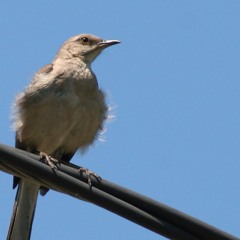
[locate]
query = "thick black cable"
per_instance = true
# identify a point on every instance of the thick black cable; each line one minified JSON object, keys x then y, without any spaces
{"x":124,"y":202}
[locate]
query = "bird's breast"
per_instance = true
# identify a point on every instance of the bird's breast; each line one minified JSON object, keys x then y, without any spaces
{"x":68,"y":116}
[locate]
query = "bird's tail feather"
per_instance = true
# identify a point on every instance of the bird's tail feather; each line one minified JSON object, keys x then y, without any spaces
{"x":23,"y":211}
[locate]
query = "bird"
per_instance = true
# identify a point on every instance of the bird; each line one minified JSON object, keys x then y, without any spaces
{"x":61,"y":111}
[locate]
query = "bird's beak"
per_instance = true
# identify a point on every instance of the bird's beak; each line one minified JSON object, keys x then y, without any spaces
{"x":107,"y":43}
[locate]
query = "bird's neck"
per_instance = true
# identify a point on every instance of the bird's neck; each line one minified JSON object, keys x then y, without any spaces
{"x":75,"y":66}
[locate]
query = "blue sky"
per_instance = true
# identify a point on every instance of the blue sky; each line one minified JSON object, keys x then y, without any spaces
{"x":174,"y":82}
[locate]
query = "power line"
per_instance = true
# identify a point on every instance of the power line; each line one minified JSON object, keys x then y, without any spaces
{"x":135,"y":207}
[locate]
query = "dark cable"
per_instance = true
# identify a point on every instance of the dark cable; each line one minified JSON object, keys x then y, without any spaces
{"x":137,"y":208}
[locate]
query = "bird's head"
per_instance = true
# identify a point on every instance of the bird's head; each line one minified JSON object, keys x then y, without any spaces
{"x":84,"y":46}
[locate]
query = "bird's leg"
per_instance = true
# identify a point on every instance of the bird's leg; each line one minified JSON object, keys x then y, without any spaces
{"x":52,"y":162}
{"x":89,"y":174}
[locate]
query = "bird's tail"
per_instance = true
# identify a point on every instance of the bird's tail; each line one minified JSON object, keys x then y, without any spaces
{"x":23,"y":211}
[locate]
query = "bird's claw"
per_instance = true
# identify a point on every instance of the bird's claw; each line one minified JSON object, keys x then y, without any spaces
{"x":52,"y":162}
{"x":89,"y":174}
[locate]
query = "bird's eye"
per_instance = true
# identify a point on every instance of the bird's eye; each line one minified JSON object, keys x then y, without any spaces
{"x":84,"y":40}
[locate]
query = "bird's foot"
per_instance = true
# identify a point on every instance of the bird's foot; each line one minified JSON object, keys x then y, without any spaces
{"x":89,"y":174}
{"x":52,"y":162}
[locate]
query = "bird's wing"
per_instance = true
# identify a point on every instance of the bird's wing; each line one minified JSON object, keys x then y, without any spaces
{"x":46,"y":69}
